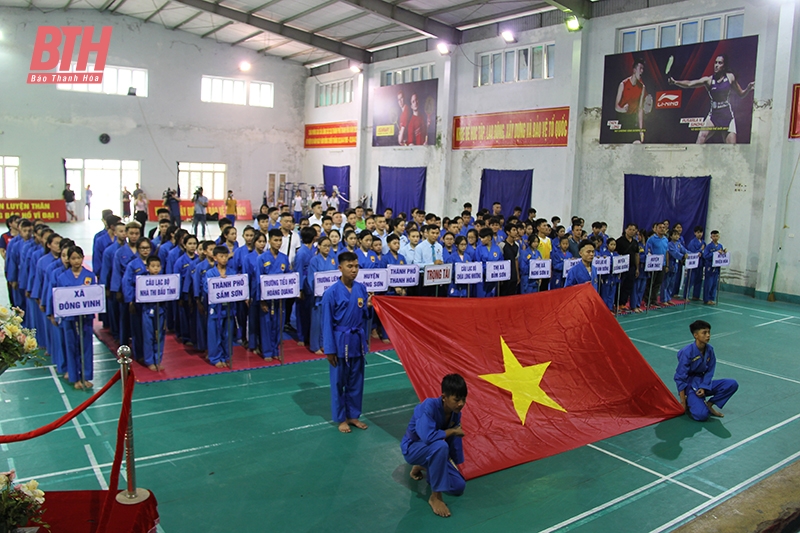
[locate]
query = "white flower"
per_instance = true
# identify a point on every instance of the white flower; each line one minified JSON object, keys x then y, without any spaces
{"x":5,"y":313}
{"x":31,"y":489}
{"x":17,"y":320}
{"x":30,"y":344}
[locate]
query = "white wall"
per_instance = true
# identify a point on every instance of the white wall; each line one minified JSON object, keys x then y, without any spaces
{"x":42,"y":125}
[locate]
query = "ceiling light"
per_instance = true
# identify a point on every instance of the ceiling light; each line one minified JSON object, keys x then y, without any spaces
{"x":355,"y":69}
{"x":508,"y":37}
{"x":244,"y":66}
{"x":573,"y":23}
{"x":443,"y":48}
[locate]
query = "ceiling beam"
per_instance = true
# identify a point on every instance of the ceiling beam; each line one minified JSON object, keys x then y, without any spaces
{"x":368,"y":32}
{"x":581,"y":8}
{"x":411,"y":20}
{"x":215,"y":30}
{"x":247,"y":38}
{"x":321,"y":60}
{"x":105,"y":5}
{"x":157,"y":11}
{"x":360,"y":14}
{"x":119,"y":5}
{"x":308,"y":11}
{"x":187,"y":21}
{"x":310,"y":52}
{"x":295,"y":34}
{"x":263,"y":6}
{"x":456,"y":7}
{"x":275,"y":45}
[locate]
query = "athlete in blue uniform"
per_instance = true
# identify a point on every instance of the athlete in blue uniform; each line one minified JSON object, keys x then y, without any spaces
{"x":153,"y":325}
{"x":324,"y":261}
{"x":220,"y":316}
{"x":344,"y":338}
{"x":711,"y":283}
{"x":77,"y":276}
{"x":699,"y":391}
{"x":272,"y":318}
{"x":585,"y":270}
{"x":433,"y":442}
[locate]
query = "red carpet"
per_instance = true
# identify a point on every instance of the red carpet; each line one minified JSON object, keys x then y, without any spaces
{"x":78,"y":512}
{"x":184,"y":362}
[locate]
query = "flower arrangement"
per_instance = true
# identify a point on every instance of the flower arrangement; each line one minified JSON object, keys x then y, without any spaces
{"x":17,"y":344}
{"x":20,"y":503}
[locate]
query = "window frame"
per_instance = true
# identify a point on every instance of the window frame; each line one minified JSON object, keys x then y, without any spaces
{"x":142,"y":91}
{"x":4,"y":167}
{"x":678,"y":24}
{"x":336,"y":92}
{"x":192,"y":174}
{"x":397,"y":76}
{"x":544,"y":57}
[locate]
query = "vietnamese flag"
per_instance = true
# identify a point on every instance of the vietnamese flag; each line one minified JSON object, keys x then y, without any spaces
{"x":545,"y":372}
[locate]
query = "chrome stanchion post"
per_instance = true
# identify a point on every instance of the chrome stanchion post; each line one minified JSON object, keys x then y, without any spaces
{"x":131,"y":495}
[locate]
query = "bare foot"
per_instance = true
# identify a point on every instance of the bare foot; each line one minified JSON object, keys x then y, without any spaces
{"x":221,"y":365}
{"x":320,"y":352}
{"x":276,"y":358}
{"x":713,"y":411}
{"x":386,"y":341}
{"x":438,"y":505}
{"x":66,"y":376}
{"x":154,"y":368}
{"x":357,"y":423}
{"x":78,"y":385}
{"x":301,"y":343}
{"x":344,"y":427}
{"x":637,"y":310}
{"x":374,"y":334}
{"x":416,"y":473}
{"x":711,"y":303}
{"x":88,"y":385}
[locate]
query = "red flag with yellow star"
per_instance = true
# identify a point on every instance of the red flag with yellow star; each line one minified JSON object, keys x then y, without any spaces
{"x":545,"y":372}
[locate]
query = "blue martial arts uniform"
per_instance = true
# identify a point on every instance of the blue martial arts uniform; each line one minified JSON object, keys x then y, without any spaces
{"x":696,"y":276}
{"x":183,"y":267}
{"x":200,"y":318}
{"x":240,"y":263}
{"x":711,"y":283}
{"x":43,"y":266}
{"x":578,"y":274}
{"x":457,"y":290}
{"x":696,"y":371}
{"x":344,"y":334}
{"x":57,"y":346}
{"x":640,"y":283}
{"x":271,"y":320}
{"x":527,"y":285}
{"x":319,"y":263}
{"x":557,"y":258}
{"x":425,"y":445}
{"x":70,"y":327}
{"x":122,"y":257}
{"x":672,"y":282}
{"x":304,"y":305}
{"x":112,"y":306}
{"x":13,"y":257}
{"x":253,"y":310}
{"x":134,"y":269}
{"x":608,"y":290}
{"x":154,"y":330}
{"x":220,"y":321}
{"x":367,"y":259}
{"x":486,"y":289}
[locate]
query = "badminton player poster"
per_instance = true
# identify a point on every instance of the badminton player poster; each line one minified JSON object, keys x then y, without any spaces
{"x":405,"y":114}
{"x":698,"y":93}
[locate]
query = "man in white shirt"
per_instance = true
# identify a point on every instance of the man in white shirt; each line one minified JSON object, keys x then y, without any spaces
{"x":291,"y":239}
{"x":316,"y":214}
{"x":381,"y":232}
{"x":338,"y":222}
{"x":333,"y":201}
{"x":324,"y":200}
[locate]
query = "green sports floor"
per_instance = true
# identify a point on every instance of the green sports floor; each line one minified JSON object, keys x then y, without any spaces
{"x":255,"y":450}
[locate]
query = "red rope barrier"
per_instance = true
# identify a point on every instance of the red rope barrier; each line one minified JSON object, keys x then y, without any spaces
{"x":122,"y":429}
{"x":63,"y":420}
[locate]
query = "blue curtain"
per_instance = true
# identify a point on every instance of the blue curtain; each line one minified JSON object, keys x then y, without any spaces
{"x":401,"y":188}
{"x":650,"y":199}
{"x":512,"y":188}
{"x":339,"y":176}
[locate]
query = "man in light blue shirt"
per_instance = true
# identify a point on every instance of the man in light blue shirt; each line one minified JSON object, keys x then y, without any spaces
{"x":200,"y":210}
{"x":657,"y":244}
{"x":381,"y":233}
{"x":428,"y":252}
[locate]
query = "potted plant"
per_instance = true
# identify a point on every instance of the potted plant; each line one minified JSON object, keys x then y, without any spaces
{"x":20,"y":505}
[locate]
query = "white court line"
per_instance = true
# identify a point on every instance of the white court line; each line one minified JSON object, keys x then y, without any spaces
{"x":27,"y":368}
{"x":773,"y":322}
{"x":11,"y":465}
{"x":649,"y":471}
{"x":4,"y":446}
{"x":328,"y":423}
{"x":683,"y":470}
{"x":60,"y":388}
{"x":681,"y":319}
{"x":725,"y":494}
{"x":24,"y":380}
{"x":735,"y":365}
{"x":96,"y":467}
{"x":758,"y":310}
{"x":388,"y":358}
{"x":91,"y":423}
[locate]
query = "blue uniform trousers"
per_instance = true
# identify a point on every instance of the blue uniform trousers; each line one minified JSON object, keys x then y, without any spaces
{"x":57,"y":350}
{"x":201,"y":321}
{"x":608,"y":292}
{"x":153,"y":322}
{"x":347,"y":388}
{"x":315,"y":339}
{"x":112,"y":310}
{"x":721,"y":391}
{"x":303,"y":310}
{"x":220,"y":330}
{"x":696,"y":282}
{"x":637,"y":294}
{"x":435,"y":458}
{"x":271,"y":328}
{"x":666,"y":287}
{"x":137,"y":338}
{"x":253,"y":326}
{"x":72,"y":343}
{"x":710,"y":284}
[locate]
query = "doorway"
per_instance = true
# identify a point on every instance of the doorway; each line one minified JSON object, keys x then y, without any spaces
{"x":106,"y":178}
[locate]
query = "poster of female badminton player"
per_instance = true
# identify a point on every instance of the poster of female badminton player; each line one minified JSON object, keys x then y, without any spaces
{"x":697,"y":93}
{"x":405,"y":114}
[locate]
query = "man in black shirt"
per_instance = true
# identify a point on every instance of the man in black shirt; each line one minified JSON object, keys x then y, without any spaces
{"x":69,"y":199}
{"x":511,"y":252}
{"x":628,"y":245}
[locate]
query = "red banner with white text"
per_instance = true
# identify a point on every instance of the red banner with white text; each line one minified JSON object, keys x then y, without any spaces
{"x":331,"y":135}
{"x":514,"y":129}
{"x":45,"y":210}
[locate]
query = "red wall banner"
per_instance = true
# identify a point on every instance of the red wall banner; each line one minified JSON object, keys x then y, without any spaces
{"x":243,"y":209}
{"x":794,"y":128}
{"x":331,"y":135}
{"x":514,"y":129}
{"x":46,"y":210}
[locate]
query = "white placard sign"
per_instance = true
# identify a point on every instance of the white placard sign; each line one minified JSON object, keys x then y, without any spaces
{"x":233,"y":288}
{"x":280,"y":286}
{"x":468,"y":273}
{"x":602,"y":265}
{"x":374,"y":279}
{"x":161,"y":288}
{"x":438,"y":274}
{"x":498,"y":270}
{"x":540,"y":269}
{"x":323,"y":280}
{"x":621,"y":263}
{"x":569,"y":263}
{"x":721,"y":259}
{"x":692,"y":261}
{"x":403,"y":275}
{"x":654,"y":263}
{"x":80,"y":300}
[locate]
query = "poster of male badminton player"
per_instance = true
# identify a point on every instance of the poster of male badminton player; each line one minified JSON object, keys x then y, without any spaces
{"x":405,"y":114}
{"x":697,"y":93}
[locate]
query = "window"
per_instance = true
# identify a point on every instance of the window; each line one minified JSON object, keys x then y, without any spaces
{"x":528,"y":63}
{"x":223,"y":90}
{"x":261,"y":94}
{"x":689,"y":31}
{"x":406,"y":75}
{"x":116,"y":80}
{"x":335,"y":93}
{"x":9,"y":177}
{"x":212,"y":177}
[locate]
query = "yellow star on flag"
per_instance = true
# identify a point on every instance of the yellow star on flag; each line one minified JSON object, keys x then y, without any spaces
{"x":522,"y":382}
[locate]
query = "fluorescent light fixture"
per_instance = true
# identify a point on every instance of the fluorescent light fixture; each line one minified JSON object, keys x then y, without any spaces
{"x":508,"y":37}
{"x":573,"y":23}
{"x":355,"y":68}
{"x":244,"y":66}
{"x":443,"y":48}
